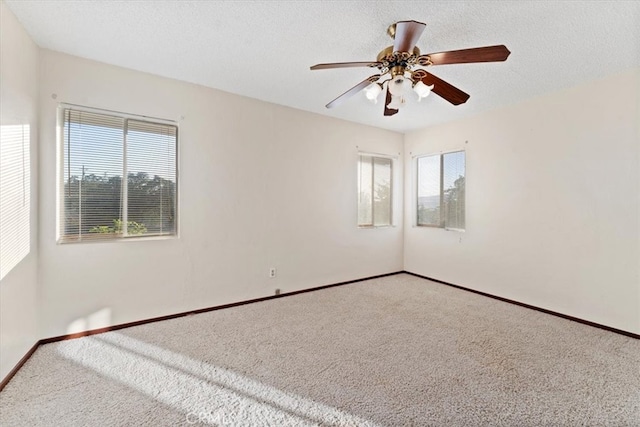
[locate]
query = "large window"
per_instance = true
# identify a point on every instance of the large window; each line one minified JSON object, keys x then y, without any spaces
{"x":441,"y":190}
{"x":15,"y":194}
{"x":99,"y":149}
{"x":374,"y":191}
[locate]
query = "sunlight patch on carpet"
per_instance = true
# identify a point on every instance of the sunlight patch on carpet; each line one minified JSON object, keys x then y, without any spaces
{"x":205,"y":393}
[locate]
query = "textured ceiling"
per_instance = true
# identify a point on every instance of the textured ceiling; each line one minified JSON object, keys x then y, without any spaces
{"x":263,"y":49}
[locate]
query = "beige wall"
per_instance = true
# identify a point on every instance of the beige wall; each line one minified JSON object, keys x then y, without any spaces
{"x":18,"y":107}
{"x":553,"y":193}
{"x":260,"y":185}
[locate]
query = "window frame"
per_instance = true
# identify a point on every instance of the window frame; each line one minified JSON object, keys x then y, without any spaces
{"x":440,"y":155}
{"x":61,"y":238}
{"x":392,"y":159}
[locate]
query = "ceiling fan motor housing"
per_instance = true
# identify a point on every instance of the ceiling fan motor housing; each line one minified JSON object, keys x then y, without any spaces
{"x":397,"y":71}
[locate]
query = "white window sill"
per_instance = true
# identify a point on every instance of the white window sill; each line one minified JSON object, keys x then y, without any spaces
{"x":116,"y":240}
{"x":457,"y":230}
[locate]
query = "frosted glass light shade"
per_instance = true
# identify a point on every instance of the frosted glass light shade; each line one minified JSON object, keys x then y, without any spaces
{"x":372,"y":91}
{"x":397,"y":101}
{"x":422,"y":89}
{"x":398,"y":86}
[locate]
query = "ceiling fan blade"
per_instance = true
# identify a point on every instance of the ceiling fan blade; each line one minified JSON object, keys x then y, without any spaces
{"x":463,"y":56}
{"x":357,"y":88}
{"x":445,"y":90}
{"x":388,"y":111}
{"x":407,"y":35}
{"x":345,"y":65}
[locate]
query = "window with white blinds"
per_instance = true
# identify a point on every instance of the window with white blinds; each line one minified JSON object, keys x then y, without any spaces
{"x":15,"y":195}
{"x":98,"y":150}
{"x":374,"y":191}
{"x":441,"y":191}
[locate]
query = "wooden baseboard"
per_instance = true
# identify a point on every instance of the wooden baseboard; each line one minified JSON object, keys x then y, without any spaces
{"x":19,"y":365}
{"x":532,"y":307}
{"x":26,"y":357}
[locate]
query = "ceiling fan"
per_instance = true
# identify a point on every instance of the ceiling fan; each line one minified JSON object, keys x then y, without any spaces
{"x":399,"y":68}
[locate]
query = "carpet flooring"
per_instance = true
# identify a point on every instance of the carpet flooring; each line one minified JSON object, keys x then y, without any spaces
{"x":393,"y":351}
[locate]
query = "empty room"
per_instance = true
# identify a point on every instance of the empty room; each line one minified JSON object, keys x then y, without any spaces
{"x":255,"y":213}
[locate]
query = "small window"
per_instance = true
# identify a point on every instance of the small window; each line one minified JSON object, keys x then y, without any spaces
{"x":374,"y":191}
{"x":98,"y":150}
{"x":441,"y":191}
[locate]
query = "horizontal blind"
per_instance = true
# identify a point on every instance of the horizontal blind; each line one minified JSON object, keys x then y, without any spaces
{"x":365,"y":191}
{"x":96,"y":150}
{"x":15,"y":195}
{"x":429,"y":189}
{"x":454,"y":189}
{"x":381,"y":191}
{"x":151,"y":166}
{"x":374,"y":191}
{"x":93,"y":170}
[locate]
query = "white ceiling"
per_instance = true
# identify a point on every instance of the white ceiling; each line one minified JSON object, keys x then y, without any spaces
{"x":263,"y":49}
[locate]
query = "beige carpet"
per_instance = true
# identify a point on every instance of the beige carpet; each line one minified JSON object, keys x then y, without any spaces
{"x":395,"y":351}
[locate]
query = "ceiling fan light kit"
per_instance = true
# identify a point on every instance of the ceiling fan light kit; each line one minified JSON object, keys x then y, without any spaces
{"x":402,"y":66}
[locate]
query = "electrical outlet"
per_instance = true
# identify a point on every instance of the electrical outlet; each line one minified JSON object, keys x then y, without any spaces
{"x":272,"y":272}
{"x":277,"y":291}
